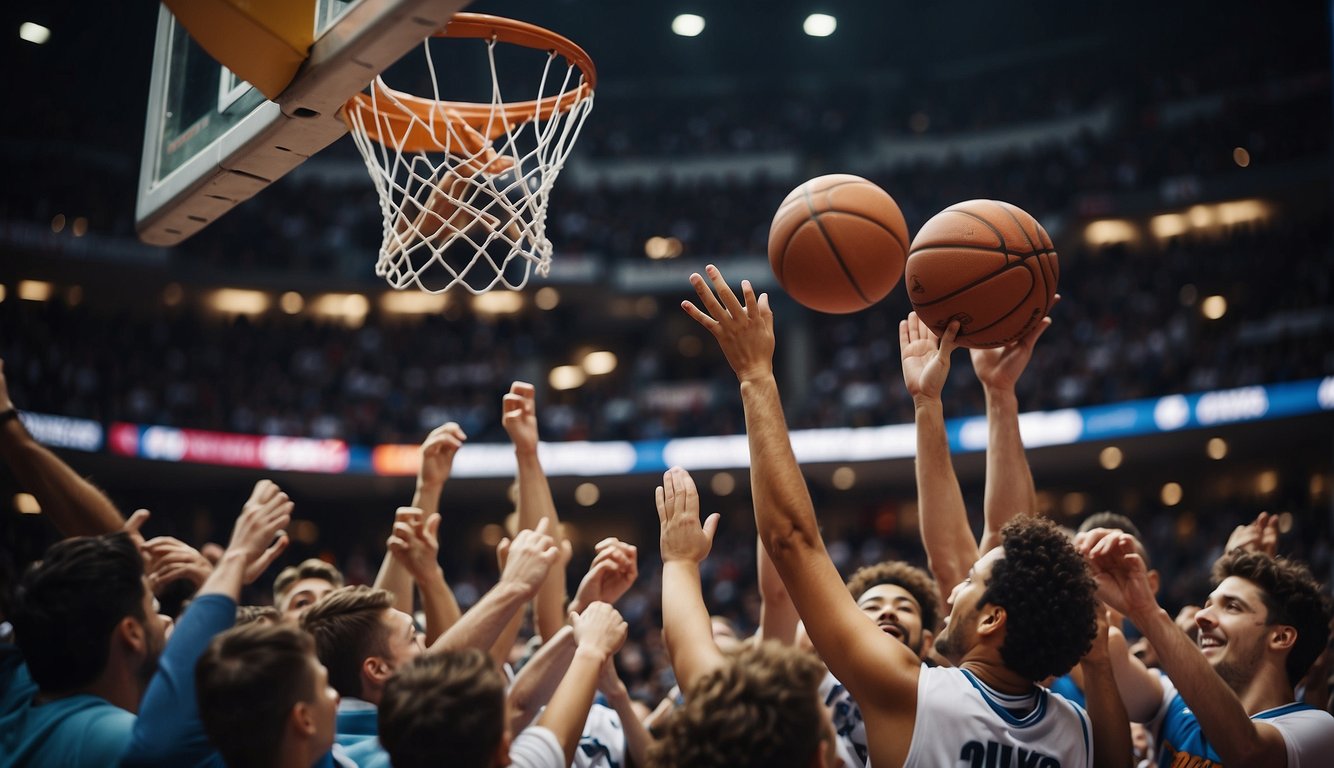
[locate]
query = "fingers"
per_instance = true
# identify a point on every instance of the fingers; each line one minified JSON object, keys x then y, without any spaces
{"x":707,"y":299}
{"x":136,"y":521}
{"x":523,"y":389}
{"x":711,"y":526}
{"x":660,"y":501}
{"x":263,"y":491}
{"x":433,"y":527}
{"x":725,"y":294}
{"x":947,"y":344}
{"x":503,"y":552}
{"x":274,"y":551}
{"x":700,"y":316}
{"x":904,"y":338}
{"x":1033,"y":335}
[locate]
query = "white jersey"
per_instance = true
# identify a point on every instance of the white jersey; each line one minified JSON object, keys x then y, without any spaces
{"x":961,"y":721}
{"x":602,"y":744}
{"x":849,"y":727}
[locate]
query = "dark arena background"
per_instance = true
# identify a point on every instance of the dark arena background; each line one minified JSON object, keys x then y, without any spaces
{"x":1178,"y":153}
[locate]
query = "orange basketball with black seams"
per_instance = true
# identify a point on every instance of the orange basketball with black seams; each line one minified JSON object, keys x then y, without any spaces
{"x":838,"y":243}
{"x":987,"y":264}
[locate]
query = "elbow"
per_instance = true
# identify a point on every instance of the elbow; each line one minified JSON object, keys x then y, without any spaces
{"x":790,"y":540}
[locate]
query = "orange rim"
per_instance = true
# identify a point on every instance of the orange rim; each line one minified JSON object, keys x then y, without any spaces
{"x":398,"y":111}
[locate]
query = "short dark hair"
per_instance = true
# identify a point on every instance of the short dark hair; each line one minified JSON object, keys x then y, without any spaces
{"x":347,"y":626}
{"x":246,"y":684}
{"x":67,"y":606}
{"x":443,"y":704}
{"x":916,"y":581}
{"x":760,"y":708}
{"x":249,"y":614}
{"x":1119,"y":522}
{"x":1047,"y":592}
{"x":312,"y":568}
{"x":1292,"y":597}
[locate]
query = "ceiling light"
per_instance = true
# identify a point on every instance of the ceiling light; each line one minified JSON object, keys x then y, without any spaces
{"x":820,"y":25}
{"x":34,"y":33}
{"x":688,"y":25}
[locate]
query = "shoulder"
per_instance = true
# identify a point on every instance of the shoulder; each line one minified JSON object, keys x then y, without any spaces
{"x":1308,"y":732}
{"x":98,"y":731}
{"x":536,"y":747}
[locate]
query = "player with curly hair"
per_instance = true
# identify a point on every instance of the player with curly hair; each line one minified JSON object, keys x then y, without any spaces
{"x":915,"y":715}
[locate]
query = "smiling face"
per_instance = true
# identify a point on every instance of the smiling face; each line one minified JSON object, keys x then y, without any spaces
{"x":896,"y":612}
{"x":1233,"y":630}
{"x":960,"y":632}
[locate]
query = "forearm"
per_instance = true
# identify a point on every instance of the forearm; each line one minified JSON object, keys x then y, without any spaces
{"x":537,"y":681}
{"x":482,"y":625}
{"x":227,"y":577}
{"x":568,"y":711}
{"x":778,"y":616}
{"x":395,"y":577}
{"x":685,"y":623}
{"x":73,"y":505}
{"x":784,"y":515}
{"x":1009,"y":485}
{"x":535,"y":503}
{"x":438,"y":603}
{"x":1223,"y":719}
{"x":946,"y":536}
{"x":1112,"y":746}
{"x":637,"y":737}
{"x":504,"y":644}
{"x":1140,"y":689}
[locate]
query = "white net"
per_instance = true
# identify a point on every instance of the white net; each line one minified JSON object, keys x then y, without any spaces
{"x":464,"y":187}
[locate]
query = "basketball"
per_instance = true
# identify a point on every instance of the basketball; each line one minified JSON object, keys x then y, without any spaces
{"x":838,"y":243}
{"x":987,"y":264}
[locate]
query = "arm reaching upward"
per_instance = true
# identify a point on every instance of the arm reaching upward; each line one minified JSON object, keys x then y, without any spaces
{"x":1009,"y":488}
{"x":946,"y":536}
{"x":599,"y":632}
{"x":879,"y":671}
{"x":519,"y":417}
{"x":685,"y":543}
{"x":74,"y":506}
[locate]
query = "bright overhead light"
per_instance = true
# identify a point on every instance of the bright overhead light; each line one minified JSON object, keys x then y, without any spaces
{"x":349,"y":308}
{"x":1110,"y":457}
{"x":35,"y":290}
{"x":587,"y":494}
{"x":497,"y":303}
{"x":567,"y":377}
{"x":291,"y":302}
{"x":820,"y":25}
{"x":599,"y":363}
{"x":413,"y":303}
{"x":688,"y":25}
{"x":1214,"y":307}
{"x":34,"y":33}
{"x":234,"y":301}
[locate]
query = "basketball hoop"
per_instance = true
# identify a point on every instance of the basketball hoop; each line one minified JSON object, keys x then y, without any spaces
{"x":464,"y":186}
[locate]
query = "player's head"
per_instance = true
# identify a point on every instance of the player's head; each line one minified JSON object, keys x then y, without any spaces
{"x":442,"y":705}
{"x":1262,"y":607}
{"x":87,"y":605}
{"x":300,"y":586}
{"x":1118,"y":522}
{"x":361,"y":638}
{"x":901,"y":599}
{"x":260,"y":685}
{"x":1032,"y":598}
{"x":760,"y":708}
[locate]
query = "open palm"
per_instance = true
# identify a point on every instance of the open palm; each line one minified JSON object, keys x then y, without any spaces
{"x":926,"y":359}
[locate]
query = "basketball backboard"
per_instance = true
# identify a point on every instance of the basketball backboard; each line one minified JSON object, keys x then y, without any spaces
{"x":212,"y":141}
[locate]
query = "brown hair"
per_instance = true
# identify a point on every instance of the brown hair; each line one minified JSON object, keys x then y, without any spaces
{"x":246,"y":684}
{"x":314,"y":568}
{"x":916,"y":581}
{"x":761,"y":708}
{"x":249,"y":614}
{"x":348,"y":626}
{"x":443,"y":704}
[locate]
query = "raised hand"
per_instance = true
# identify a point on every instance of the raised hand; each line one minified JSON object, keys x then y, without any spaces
{"x":437,"y":455}
{"x":173,"y":559}
{"x":415,"y":542}
{"x":681,"y":537}
{"x":1001,"y":367}
{"x":260,"y":533}
{"x":519,"y":416}
{"x":745,"y":332}
{"x":926,"y":359}
{"x":1259,"y":535}
{"x":599,"y":628}
{"x":529,"y":557}
{"x":133,"y":526}
{"x":613,"y":571}
{"x":1123,"y":579}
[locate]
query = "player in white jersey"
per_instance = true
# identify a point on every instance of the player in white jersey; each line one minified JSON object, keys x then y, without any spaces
{"x":1025,"y":611}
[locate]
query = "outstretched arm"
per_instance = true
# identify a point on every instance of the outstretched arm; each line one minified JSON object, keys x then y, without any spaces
{"x":437,"y":460}
{"x":946,"y":536}
{"x":530,"y":557}
{"x":73,"y":505}
{"x":881,"y":672}
{"x":1009,"y":488}
{"x":778,"y":616}
{"x":1124,"y":585}
{"x":538,"y":679}
{"x":1106,"y":712}
{"x":519,"y":417}
{"x":685,"y":543}
{"x":415,"y":544}
{"x":599,"y":632}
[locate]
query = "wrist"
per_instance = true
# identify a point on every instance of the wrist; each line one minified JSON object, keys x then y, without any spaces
{"x":927,"y":403}
{"x":592,"y":651}
{"x":1001,"y":397}
{"x":756,"y":375}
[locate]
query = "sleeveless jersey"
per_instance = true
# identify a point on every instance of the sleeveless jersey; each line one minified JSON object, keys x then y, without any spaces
{"x":962,"y":722}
